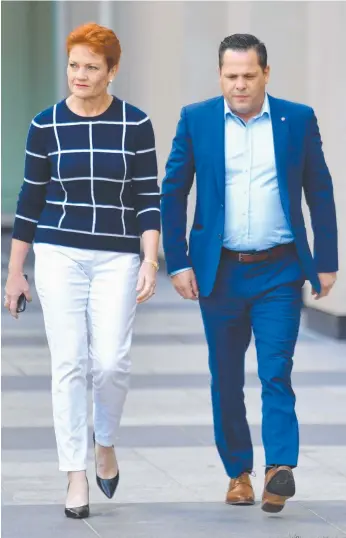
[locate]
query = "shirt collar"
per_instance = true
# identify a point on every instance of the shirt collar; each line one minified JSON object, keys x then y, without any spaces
{"x":265,"y":108}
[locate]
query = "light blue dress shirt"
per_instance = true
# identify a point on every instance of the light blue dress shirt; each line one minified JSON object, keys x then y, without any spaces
{"x":254,"y":218}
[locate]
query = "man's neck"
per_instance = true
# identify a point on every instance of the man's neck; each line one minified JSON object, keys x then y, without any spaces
{"x":253,"y":113}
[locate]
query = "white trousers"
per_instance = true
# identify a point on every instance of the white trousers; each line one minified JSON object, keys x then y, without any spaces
{"x":88,"y":300}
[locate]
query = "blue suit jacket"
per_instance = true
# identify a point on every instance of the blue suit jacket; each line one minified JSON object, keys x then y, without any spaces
{"x":198,"y":148}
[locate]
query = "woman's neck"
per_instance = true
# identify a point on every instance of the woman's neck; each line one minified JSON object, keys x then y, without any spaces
{"x":90,"y":106}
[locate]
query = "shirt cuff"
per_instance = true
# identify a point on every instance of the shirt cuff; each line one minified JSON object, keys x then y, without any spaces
{"x":180,"y":271}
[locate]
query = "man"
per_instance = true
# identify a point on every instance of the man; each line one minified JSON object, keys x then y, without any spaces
{"x":248,"y":254}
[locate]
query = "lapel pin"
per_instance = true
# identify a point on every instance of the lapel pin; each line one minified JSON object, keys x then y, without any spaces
{"x":283,"y":118}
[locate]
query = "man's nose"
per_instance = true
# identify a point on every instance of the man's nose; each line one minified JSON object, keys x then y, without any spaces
{"x":240,"y":84}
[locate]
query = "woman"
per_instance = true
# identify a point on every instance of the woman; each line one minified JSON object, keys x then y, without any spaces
{"x":90,"y":191}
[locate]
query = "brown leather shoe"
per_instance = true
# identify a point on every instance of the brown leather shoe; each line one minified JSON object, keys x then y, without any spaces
{"x":240,"y":491}
{"x":278,"y":487}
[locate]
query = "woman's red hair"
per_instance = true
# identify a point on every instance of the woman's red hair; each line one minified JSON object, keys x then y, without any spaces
{"x":99,"y":39}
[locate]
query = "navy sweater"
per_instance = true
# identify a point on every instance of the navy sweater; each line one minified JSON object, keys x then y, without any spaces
{"x":90,"y":182}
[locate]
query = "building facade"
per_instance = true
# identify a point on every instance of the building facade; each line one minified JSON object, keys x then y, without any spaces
{"x":169,"y":60}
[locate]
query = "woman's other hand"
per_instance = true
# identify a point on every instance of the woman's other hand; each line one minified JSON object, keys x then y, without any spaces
{"x":146,"y":281}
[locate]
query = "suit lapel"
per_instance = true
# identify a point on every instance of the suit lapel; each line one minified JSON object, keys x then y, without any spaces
{"x":217,"y":132}
{"x":280,"y":125}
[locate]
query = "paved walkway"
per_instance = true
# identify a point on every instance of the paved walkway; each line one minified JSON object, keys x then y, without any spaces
{"x":172,"y":482}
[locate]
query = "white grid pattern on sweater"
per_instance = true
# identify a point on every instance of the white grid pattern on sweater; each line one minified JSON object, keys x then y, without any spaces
{"x":91,"y":150}
{"x":125,"y":167}
{"x":99,"y":122}
{"x":62,"y":152}
{"x":83,"y":231}
{"x":77,"y":204}
{"x":92,"y":175}
{"x":58,"y":166}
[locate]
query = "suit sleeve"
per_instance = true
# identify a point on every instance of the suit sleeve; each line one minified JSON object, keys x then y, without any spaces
{"x":176,"y":186}
{"x":318,"y":189}
{"x":32,"y":196}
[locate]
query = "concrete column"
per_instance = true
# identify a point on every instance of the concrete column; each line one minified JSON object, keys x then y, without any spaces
{"x":204,"y":27}
{"x":169,"y":60}
{"x":326,"y":90}
{"x":282,"y":27}
{"x":150,"y":74}
{"x":16,"y":110}
{"x":61,"y":32}
{"x":70,"y":14}
{"x":28,"y":86}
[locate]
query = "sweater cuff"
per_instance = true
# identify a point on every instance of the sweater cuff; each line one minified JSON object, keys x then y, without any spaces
{"x":149,"y":220}
{"x":24,"y":230}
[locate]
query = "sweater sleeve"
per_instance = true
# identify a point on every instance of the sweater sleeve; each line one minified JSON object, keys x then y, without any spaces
{"x":144,"y":181}
{"x":32,"y":196}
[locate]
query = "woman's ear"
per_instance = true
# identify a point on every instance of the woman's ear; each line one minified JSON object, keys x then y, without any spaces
{"x":113,"y":72}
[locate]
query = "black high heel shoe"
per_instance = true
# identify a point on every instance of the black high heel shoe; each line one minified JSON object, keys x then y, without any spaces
{"x":78,"y":512}
{"x":106,"y":485}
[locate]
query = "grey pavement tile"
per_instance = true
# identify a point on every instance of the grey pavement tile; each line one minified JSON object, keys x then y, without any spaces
{"x":204,"y":519}
{"x":149,"y":381}
{"x":166,"y":520}
{"x":167,"y":330}
{"x":142,"y":339}
{"x":153,"y":305}
{"x":10,"y":370}
{"x":333,"y":512}
{"x":156,"y":359}
{"x":179,"y":407}
{"x":138,"y":381}
{"x":30,"y":438}
{"x":6,"y":496}
{"x":41,"y":522}
{"x":163,"y":359}
{"x":44,"y":456}
{"x":130,"y":437}
{"x":150,"y":339}
{"x":185,"y":474}
{"x":326,"y":458}
{"x":151,"y":308}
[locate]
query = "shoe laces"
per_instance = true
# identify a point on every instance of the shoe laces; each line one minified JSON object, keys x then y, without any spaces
{"x":242,"y":479}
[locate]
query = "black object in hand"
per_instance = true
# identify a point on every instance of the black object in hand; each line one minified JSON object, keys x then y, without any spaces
{"x":21,"y":304}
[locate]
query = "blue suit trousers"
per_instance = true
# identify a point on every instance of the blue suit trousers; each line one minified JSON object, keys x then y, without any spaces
{"x":263,"y":298}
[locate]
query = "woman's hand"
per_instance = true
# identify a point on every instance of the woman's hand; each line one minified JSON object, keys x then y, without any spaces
{"x":16,"y":285}
{"x":146,"y":281}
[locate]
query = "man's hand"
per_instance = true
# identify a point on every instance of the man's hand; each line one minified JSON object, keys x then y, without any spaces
{"x":327,"y":281}
{"x":186,"y":285}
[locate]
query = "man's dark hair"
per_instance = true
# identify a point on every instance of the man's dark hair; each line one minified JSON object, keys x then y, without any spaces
{"x":244,"y":42}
